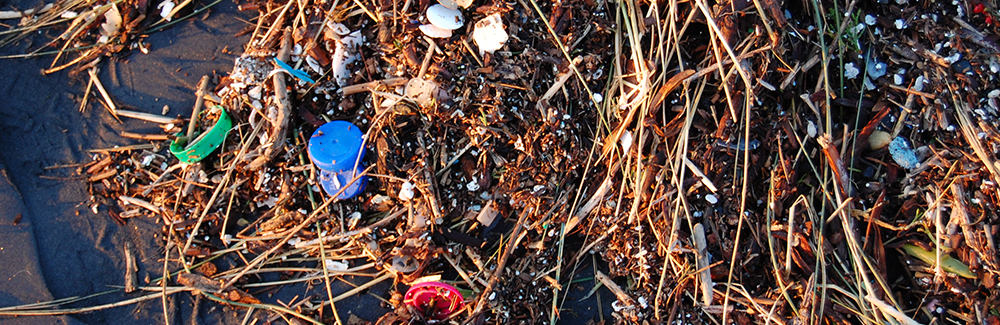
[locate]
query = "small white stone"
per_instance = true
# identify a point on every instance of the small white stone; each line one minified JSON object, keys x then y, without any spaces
{"x":897,"y":79}
{"x":711,"y":198}
{"x":900,"y":24}
{"x":598,"y":98}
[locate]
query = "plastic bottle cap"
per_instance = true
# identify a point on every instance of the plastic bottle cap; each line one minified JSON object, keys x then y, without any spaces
{"x":435,"y":299}
{"x":332,"y":182}
{"x":336,"y":146}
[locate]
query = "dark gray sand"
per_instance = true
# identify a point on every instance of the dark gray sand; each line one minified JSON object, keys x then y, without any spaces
{"x":60,"y":248}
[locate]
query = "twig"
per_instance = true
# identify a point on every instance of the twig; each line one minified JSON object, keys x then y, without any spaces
{"x":515,"y":238}
{"x":149,"y":117}
{"x":280,"y":126}
{"x":169,"y":291}
{"x":199,"y":100}
{"x":104,"y":93}
{"x":372,"y":85}
{"x":152,"y":137}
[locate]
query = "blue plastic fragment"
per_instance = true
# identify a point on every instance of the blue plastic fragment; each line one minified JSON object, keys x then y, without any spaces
{"x":293,"y":71}
{"x":902,"y":154}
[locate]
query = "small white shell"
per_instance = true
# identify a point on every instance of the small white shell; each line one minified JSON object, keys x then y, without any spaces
{"x":434,"y":31}
{"x":489,"y":34}
{"x":444,"y":17}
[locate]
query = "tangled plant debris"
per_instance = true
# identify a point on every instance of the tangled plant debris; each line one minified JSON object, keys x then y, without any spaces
{"x":742,"y":162}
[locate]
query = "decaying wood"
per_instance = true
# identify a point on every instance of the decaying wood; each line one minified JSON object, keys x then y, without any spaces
{"x":279,"y":128}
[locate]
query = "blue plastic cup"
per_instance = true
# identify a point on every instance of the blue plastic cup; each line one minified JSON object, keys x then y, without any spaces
{"x":335,"y":148}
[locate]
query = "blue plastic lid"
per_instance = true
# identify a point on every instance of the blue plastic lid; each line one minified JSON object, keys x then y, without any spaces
{"x":335,"y":146}
{"x":333,"y":181}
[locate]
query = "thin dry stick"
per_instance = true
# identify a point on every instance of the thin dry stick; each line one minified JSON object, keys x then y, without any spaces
{"x":149,"y":117}
{"x":90,"y":309}
{"x":199,"y":101}
{"x":104,"y":93}
{"x":312,"y":218}
{"x":515,"y":238}
{"x":326,"y":278}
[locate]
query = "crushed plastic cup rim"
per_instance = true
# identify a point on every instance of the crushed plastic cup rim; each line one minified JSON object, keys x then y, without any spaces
{"x":205,"y":143}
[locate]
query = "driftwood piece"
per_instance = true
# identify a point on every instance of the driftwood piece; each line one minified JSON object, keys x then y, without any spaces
{"x":279,"y":129}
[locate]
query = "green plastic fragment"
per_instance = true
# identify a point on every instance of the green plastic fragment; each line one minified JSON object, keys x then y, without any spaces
{"x":203,"y":144}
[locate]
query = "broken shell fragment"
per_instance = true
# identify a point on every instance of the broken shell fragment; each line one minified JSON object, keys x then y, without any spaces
{"x":453,"y":4}
{"x":444,"y":17}
{"x":879,"y":139}
{"x":489,"y":34}
{"x":434,"y":31}
{"x":421,"y":90}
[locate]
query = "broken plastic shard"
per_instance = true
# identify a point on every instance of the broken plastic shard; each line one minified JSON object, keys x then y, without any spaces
{"x":875,"y":69}
{"x":166,"y":7}
{"x":335,"y":265}
{"x":851,"y":72}
{"x":344,"y":54}
{"x":489,"y":34}
{"x":112,"y":21}
{"x":406,"y":192}
{"x":902,"y":154}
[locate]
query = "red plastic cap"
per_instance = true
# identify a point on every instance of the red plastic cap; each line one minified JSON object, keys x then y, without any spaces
{"x":434,"y":299}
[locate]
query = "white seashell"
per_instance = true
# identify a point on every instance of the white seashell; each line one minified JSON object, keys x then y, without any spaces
{"x":165,"y":8}
{"x":455,"y":4}
{"x":444,"y":17}
{"x":434,"y":31}
{"x":314,"y":65}
{"x":489,"y":34}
